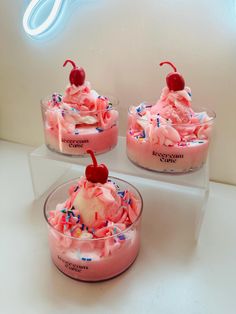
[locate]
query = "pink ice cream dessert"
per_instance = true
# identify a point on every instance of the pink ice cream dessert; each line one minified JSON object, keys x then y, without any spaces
{"x":94,"y":232}
{"x":169,"y":135}
{"x":80,"y":118}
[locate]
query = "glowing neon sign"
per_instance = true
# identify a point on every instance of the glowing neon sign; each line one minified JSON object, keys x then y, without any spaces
{"x":33,"y":7}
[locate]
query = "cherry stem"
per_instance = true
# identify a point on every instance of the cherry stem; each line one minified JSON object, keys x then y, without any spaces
{"x":89,"y":151}
{"x":171,"y":64}
{"x":70,"y":61}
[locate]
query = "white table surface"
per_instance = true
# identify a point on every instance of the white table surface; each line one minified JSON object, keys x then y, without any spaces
{"x":166,"y":277}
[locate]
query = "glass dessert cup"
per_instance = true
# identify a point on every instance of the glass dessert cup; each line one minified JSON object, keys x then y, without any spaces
{"x":188,"y":155}
{"x":98,"y":258}
{"x":66,"y":133}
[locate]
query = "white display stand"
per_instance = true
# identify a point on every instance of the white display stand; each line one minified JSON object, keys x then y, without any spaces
{"x":177,"y":201}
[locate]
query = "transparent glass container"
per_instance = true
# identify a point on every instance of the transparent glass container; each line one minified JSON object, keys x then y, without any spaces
{"x":93,"y":259}
{"x":152,"y":146}
{"x":71,"y":132}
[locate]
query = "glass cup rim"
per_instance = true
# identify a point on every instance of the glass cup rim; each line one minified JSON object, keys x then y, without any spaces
{"x":112,"y":99}
{"x":212,"y":115}
{"x":96,"y":239}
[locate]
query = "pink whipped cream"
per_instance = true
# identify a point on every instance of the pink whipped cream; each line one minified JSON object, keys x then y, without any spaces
{"x":81,"y":107}
{"x":95,"y":209}
{"x":171,"y":121}
{"x":94,"y":234}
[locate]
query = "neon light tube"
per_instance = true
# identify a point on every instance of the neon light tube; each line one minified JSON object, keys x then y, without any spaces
{"x":52,"y":17}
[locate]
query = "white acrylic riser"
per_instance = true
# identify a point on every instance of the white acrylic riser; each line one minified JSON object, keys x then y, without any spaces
{"x":176,"y":202}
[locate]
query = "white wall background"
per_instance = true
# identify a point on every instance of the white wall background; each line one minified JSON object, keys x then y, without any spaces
{"x":120,"y":44}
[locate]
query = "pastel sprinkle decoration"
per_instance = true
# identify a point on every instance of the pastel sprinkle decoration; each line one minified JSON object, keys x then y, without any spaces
{"x":158,"y":120}
{"x":76,"y":188}
{"x":56,"y":99}
{"x":75,"y":110}
{"x":141,"y":135}
{"x":140,"y":108}
{"x":78,"y":232}
{"x":88,"y":259}
{"x":121,"y":237}
{"x":122,"y":194}
{"x":109,"y":106}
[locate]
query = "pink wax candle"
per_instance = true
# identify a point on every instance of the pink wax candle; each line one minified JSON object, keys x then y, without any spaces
{"x":94,"y":229}
{"x":80,"y":118}
{"x":169,"y":135}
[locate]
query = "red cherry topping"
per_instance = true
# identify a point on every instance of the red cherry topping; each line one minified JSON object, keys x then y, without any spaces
{"x":96,"y":173}
{"x":77,"y":74}
{"x":174,"y":80}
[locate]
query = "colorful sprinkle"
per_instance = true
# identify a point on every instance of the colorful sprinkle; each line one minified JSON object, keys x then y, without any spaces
{"x":76,"y":188}
{"x":121,"y":237}
{"x":140,"y":135}
{"x":122,"y":194}
{"x":73,"y":109}
{"x":78,"y":232}
{"x":143,"y":134}
{"x":56,"y":98}
{"x":158,"y":120}
{"x":140,"y":108}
